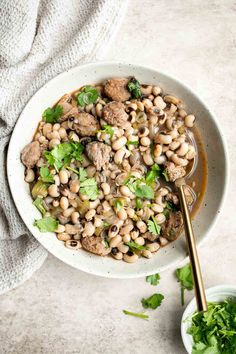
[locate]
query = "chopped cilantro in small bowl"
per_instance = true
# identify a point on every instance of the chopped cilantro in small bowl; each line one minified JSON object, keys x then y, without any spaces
{"x":214,"y":331}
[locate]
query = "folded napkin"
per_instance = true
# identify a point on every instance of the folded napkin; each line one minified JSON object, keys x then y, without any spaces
{"x":38,"y":40}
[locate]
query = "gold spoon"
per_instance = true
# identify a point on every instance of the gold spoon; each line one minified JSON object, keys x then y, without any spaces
{"x":192,"y":249}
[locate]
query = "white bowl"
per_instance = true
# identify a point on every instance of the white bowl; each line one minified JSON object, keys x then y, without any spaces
{"x":218,"y":293}
{"x":95,"y":72}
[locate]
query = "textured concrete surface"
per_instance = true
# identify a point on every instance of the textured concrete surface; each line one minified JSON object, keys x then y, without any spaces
{"x":61,"y":310}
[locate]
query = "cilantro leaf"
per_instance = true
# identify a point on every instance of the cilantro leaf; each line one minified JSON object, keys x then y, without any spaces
{"x":153,"y":301}
{"x":118,"y":204}
{"x":153,"y":227}
{"x":135,"y":247}
{"x":48,"y":224}
{"x":165,"y":175}
{"x":139,"y":315}
{"x":46,"y":175}
{"x":107,"y":129}
{"x":140,"y":188}
{"x":88,"y":95}
{"x":62,"y":154}
{"x":89,"y":188}
{"x":135,"y":143}
{"x":153,"y":279}
{"x":185,"y":277}
{"x":51,"y":115}
{"x":40,"y":205}
{"x":138,"y":203}
{"x":82,"y":174}
{"x":153,"y":174}
{"x":134,"y":88}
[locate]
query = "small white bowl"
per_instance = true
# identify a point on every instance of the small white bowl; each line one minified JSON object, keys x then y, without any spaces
{"x":212,"y":139}
{"x":218,"y":293}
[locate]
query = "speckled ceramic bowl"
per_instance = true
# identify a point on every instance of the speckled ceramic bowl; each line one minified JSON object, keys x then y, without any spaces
{"x":211,"y":136}
{"x":218,"y":293}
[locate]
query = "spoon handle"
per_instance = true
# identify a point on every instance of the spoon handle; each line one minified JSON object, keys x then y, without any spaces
{"x":193,"y":255}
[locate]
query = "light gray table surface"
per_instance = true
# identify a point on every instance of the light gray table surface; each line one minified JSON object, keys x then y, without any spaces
{"x":62,"y":310}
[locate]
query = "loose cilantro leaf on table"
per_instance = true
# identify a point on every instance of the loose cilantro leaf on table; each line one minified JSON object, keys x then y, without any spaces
{"x":89,"y":188}
{"x":134,"y":88}
{"x":153,"y":301}
{"x":139,"y":315}
{"x":51,"y":115}
{"x":40,"y":205}
{"x":153,"y":227}
{"x":185,"y":277}
{"x":153,"y":173}
{"x":135,"y":247}
{"x":107,"y":129}
{"x":88,"y":95}
{"x":46,"y":175}
{"x":153,"y":279}
{"x":62,"y":154}
{"x":48,"y":224}
{"x":214,"y":331}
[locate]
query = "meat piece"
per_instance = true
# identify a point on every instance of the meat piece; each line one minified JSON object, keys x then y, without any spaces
{"x":98,"y":153}
{"x":95,"y":244}
{"x":174,"y":172}
{"x":114,"y":113}
{"x":73,"y":229}
{"x":65,"y":103}
{"x":83,"y":123}
{"x":31,"y":154}
{"x":172,"y":227}
{"x":116,"y":89}
{"x":172,"y":197}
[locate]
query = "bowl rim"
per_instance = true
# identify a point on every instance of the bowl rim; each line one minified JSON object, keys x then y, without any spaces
{"x":192,"y":306}
{"x":96,"y":65}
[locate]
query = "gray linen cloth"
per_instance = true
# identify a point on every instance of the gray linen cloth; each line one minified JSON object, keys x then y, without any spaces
{"x":38,"y":40}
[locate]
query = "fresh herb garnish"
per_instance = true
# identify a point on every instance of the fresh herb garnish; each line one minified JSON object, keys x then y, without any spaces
{"x":153,"y":301}
{"x":87,"y":95}
{"x":48,"y":224}
{"x":62,"y":154}
{"x":139,"y":315}
{"x":107,"y":129}
{"x":40,"y":205}
{"x":153,"y":173}
{"x":135,"y":247}
{"x":140,"y":188}
{"x":185,"y":277}
{"x":138,"y":203}
{"x":153,"y":279}
{"x":118,"y":204}
{"x":134,"y":88}
{"x":89,"y":188}
{"x":51,"y":115}
{"x":214,"y":331}
{"x":153,"y":227}
{"x":135,"y":143}
{"x":82,"y":174}
{"x":165,"y":175}
{"x":46,"y":175}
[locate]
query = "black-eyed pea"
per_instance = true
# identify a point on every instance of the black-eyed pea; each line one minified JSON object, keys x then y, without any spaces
{"x":130,"y":258}
{"x":64,"y":203}
{"x":156,"y":90}
{"x":165,"y":139}
{"x":90,"y":214}
{"x":169,"y":153}
{"x":113,"y":230}
{"x":189,"y":120}
{"x":89,"y":229}
{"x":114,"y":242}
{"x":130,"y":212}
{"x":98,"y":221}
{"x":183,"y":149}
{"x":141,"y":225}
{"x":62,"y":133}
{"x":53,"y":143}
{"x":63,"y":236}
{"x":29,"y":176}
{"x":42,"y":139}
{"x":191,"y":153}
{"x":178,"y":160}
{"x":174,"y":133}
{"x":126,"y":238}
{"x":147,"y":158}
{"x":118,"y":256}
{"x":99,"y":109}
{"x":160,"y":218}
{"x":119,"y":143}
{"x":159,"y":102}
{"x":119,"y":156}
{"x":171,"y":99}
{"x":140,"y":241}
{"x":157,"y":150}
{"x":125,"y":230}
{"x":68,"y":212}
{"x":163,"y":241}
{"x":73,"y":244}
{"x":56,"y":126}
{"x":53,"y":191}
{"x":174,"y":145}
{"x":163,"y":191}
{"x":63,"y":176}
{"x":55,"y":203}
{"x":145,"y":141}
{"x":123,"y":248}
{"x":157,"y":208}
{"x":60,"y":229}
{"x":147,"y":254}
{"x":75,"y":217}
{"x":106,"y":188}
{"x":153,"y":247}
{"x":182,"y":113}
{"x":160,"y":160}
{"x":47,"y":128}
{"x":74,"y":186}
{"x":122,"y":214}
{"x":147,"y":103}
{"x":125,"y":191}
{"x":146,"y":89}
{"x":94,"y":204}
